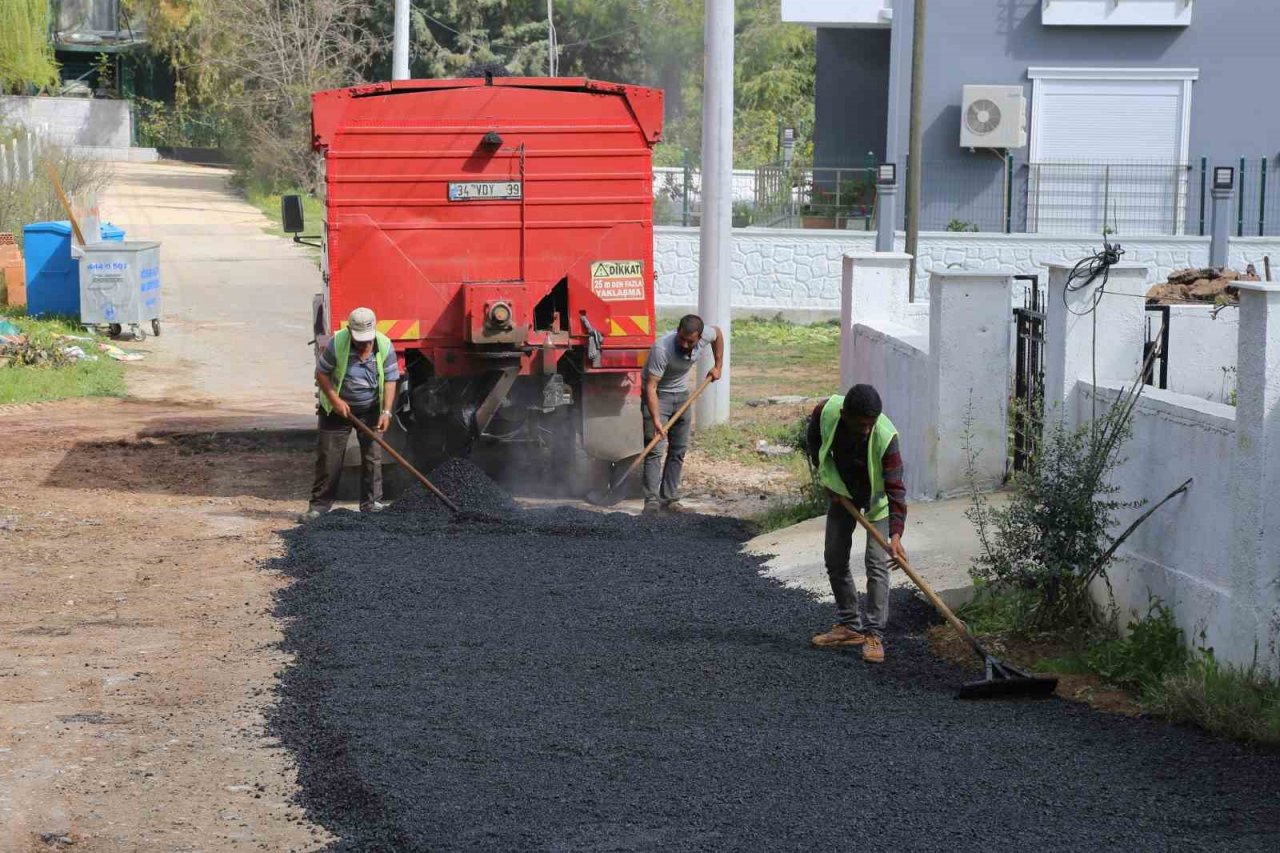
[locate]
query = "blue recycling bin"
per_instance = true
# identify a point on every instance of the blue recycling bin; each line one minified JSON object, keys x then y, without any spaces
{"x":53,"y":276}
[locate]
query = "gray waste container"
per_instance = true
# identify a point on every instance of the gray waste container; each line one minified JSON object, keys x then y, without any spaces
{"x":120,"y":286}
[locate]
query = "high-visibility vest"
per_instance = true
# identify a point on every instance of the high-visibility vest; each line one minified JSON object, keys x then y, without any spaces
{"x":883,"y":433}
{"x":342,"y":354}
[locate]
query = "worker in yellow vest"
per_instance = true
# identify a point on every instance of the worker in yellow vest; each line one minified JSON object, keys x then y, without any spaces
{"x":357,"y":374}
{"x":854,"y":448}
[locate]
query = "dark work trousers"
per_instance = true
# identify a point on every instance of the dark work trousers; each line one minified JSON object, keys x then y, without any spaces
{"x":873,"y":616}
{"x":662,"y":482}
{"x":331,"y":448}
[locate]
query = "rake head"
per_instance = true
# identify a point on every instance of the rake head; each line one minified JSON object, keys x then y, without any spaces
{"x":1004,"y":680}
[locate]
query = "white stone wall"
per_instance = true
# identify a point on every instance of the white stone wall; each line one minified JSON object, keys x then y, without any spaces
{"x":800,"y":269}
{"x":86,"y":122}
{"x":1251,"y":250}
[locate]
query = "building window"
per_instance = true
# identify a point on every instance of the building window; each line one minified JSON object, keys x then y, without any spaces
{"x":1109,"y":150}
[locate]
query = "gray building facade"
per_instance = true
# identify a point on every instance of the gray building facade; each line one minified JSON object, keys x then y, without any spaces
{"x":1121,"y":113}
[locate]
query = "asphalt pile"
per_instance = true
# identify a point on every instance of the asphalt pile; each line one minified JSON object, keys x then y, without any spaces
{"x":571,"y":680}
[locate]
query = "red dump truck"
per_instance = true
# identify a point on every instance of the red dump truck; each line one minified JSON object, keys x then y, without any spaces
{"x":502,"y":230}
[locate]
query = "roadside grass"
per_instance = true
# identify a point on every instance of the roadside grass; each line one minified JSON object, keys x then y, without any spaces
{"x":269,"y":203}
{"x":28,"y":384}
{"x":772,"y":357}
{"x":1151,"y":662}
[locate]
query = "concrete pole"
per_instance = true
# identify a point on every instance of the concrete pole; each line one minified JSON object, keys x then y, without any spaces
{"x":714,"y":284}
{"x":886,"y":216}
{"x":1253,"y":588}
{"x":915,"y":166}
{"x":899,"y":81}
{"x":400,"y":42}
{"x":1221,"y":228}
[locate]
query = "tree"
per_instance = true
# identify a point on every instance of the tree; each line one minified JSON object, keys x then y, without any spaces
{"x":272,"y":55}
{"x":26,"y":57}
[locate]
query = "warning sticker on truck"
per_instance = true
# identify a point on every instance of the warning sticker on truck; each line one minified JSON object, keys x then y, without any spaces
{"x":617,"y":281}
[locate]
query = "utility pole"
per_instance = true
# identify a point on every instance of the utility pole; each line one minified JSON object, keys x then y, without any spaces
{"x":400,"y":42}
{"x":714,"y":285}
{"x":915,"y":144}
{"x":552,"y":47}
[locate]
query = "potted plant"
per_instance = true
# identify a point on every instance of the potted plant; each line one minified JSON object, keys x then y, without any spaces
{"x":820,"y":210}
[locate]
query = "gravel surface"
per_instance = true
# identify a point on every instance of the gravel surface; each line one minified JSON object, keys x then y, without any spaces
{"x":569,"y":680}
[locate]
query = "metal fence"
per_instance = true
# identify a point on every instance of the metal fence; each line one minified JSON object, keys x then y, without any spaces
{"x":19,"y":155}
{"x":996,"y":194}
{"x":815,"y":198}
{"x":1108,"y":198}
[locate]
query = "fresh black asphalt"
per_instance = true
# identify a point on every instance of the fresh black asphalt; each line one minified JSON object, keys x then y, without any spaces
{"x":558,"y":679}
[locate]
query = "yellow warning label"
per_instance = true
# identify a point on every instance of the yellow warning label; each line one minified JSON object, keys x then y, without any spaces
{"x":617,"y":281}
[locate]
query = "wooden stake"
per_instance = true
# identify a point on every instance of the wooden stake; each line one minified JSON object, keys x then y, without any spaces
{"x":66,"y":203}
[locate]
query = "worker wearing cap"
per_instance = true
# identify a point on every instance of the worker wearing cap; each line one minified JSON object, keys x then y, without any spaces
{"x":357,"y":374}
{"x":854,"y":448}
{"x":666,"y":389}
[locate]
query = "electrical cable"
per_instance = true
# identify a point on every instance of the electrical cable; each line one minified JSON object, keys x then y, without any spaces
{"x":1084,"y":274}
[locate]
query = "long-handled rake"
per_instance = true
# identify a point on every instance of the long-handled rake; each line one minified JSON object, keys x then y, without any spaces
{"x":1002,"y":678}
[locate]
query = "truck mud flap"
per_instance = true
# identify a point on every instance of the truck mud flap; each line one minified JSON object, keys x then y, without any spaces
{"x":611,"y":418}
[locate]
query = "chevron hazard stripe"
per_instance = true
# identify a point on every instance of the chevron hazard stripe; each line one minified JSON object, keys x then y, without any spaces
{"x":628,"y":325}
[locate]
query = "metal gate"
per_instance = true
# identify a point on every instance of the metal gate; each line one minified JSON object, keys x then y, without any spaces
{"x":1157,"y":376}
{"x":1028,"y":374}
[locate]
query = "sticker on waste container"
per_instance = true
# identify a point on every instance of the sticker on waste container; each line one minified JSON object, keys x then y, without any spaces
{"x":617,"y":281}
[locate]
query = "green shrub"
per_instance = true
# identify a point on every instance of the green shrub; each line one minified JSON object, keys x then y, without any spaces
{"x":1051,"y":539}
{"x":1154,"y":649}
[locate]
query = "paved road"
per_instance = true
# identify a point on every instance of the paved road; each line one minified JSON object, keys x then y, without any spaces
{"x":237,"y":300}
{"x":561,"y":680}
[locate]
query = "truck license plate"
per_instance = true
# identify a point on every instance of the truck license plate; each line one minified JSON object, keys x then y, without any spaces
{"x":485,"y":190}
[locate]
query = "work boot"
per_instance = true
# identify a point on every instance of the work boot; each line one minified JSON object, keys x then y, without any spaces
{"x":652,"y":507}
{"x":673,"y":507}
{"x":310,"y":515}
{"x":873,"y":649}
{"x":839,"y":635}
{"x":376,"y":506}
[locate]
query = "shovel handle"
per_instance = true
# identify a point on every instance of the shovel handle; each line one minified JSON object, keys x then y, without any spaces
{"x":937,"y":602}
{"x":396,"y":456}
{"x":648,"y":448}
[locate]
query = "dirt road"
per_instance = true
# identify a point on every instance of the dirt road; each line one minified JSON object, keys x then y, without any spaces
{"x":137,"y":650}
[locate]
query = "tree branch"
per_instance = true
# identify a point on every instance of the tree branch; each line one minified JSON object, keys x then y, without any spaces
{"x":1096,"y":568}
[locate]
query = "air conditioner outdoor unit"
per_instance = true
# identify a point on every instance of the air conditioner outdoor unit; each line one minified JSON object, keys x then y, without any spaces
{"x":993,"y":117}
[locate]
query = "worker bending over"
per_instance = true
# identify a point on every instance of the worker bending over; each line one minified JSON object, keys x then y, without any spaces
{"x":357,"y":373}
{"x":854,"y":447}
{"x":666,"y":388}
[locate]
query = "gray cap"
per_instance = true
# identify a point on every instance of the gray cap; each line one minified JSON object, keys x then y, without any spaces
{"x":362,"y":324}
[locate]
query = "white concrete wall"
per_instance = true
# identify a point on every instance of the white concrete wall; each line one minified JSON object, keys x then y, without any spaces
{"x":1202,"y":350}
{"x":970,"y":359}
{"x":72,"y":121}
{"x":797,"y":268}
{"x":1212,"y":554}
{"x":1080,"y":339}
{"x":1181,"y":553}
{"x":895,"y":359}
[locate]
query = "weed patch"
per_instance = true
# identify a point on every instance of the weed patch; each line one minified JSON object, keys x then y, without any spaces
{"x":57,"y":378}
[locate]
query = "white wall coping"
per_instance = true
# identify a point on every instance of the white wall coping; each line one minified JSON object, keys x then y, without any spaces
{"x":1258,"y":286}
{"x":973,"y":274}
{"x":902,"y":338}
{"x":1217,"y":416}
{"x":979,"y":236}
{"x":877,"y":256}
{"x":1130,"y":266}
